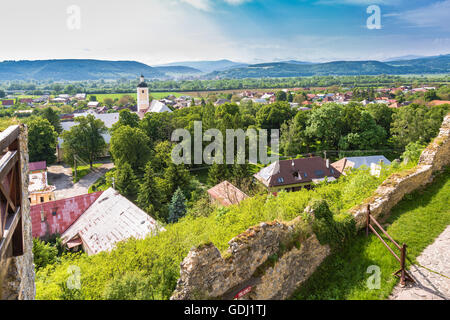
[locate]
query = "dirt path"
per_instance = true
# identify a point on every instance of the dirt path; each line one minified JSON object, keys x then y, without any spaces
{"x":429,"y":285}
{"x":61,"y":177}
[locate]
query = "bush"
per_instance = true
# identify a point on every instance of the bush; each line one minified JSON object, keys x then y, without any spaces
{"x":44,"y":254}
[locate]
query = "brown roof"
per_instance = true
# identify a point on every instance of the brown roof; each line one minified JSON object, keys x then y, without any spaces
{"x":295,"y":171}
{"x":438,"y":102}
{"x":342,"y":164}
{"x":227,"y":194}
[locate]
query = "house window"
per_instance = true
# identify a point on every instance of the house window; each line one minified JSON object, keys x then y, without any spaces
{"x":42,"y":199}
{"x":319,"y":173}
{"x":280,"y":180}
{"x":297,"y":175}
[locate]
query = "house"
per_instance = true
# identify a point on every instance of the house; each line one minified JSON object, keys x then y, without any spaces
{"x":158,"y":107}
{"x":7,"y":103}
{"x":38,"y":189}
{"x":110,"y":219}
{"x":55,"y":217}
{"x":260,"y":101}
{"x":295,"y":174}
{"x":222,"y":101}
{"x":226,"y":194}
{"x":108,"y":119}
{"x":93,"y":104}
{"x":80,"y":96}
{"x":357,"y":162}
{"x":28,"y":101}
{"x":438,"y":102}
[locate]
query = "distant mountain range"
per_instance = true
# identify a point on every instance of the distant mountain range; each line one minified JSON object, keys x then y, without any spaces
{"x":427,"y":65}
{"x":77,"y":70}
{"x":207,"y":66}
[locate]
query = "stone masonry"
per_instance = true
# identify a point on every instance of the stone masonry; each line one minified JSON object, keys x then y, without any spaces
{"x":18,"y":273}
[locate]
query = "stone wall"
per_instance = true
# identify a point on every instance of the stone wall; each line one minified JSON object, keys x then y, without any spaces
{"x":206,"y":274}
{"x":18,"y":277}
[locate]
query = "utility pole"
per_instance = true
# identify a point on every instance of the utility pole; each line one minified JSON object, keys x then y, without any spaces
{"x":75,"y":165}
{"x":113,"y":183}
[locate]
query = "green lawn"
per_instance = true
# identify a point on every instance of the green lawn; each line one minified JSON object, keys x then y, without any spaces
{"x":417,"y":220}
{"x":83,"y":171}
{"x":155,"y":95}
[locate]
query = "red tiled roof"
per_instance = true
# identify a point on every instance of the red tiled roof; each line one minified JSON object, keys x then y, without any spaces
{"x":41,"y":165}
{"x":67,"y":211}
{"x":227,"y":194}
{"x":8,"y":102}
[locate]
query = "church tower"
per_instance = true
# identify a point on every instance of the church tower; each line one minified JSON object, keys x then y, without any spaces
{"x":142,"y":96}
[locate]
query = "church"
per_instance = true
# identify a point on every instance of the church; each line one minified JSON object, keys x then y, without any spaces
{"x":143,"y":101}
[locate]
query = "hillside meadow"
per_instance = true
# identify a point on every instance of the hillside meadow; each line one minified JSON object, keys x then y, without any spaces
{"x":149,"y":268}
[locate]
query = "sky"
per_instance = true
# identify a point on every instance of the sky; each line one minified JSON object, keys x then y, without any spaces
{"x":161,"y":31}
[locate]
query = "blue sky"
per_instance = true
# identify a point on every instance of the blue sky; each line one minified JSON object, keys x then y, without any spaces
{"x":160,"y":31}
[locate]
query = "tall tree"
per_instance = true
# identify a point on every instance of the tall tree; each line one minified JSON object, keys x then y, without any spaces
{"x":52,"y":117}
{"x":85,"y":140}
{"x":125,"y":181}
{"x":42,"y":139}
{"x":177,"y":207}
{"x":130,"y":145}
{"x":149,"y":195}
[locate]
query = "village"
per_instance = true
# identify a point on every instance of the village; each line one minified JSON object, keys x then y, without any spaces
{"x":84,"y":219}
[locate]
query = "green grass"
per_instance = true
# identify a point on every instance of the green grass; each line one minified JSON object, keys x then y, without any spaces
{"x":83,"y":171}
{"x":417,"y":220}
{"x":155,"y":95}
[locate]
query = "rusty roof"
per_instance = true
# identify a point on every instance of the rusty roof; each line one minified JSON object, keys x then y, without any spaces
{"x":110,"y":219}
{"x":59,"y":215}
{"x":227,"y":194}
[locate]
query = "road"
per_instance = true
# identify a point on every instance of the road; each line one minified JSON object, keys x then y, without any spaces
{"x":61,"y":177}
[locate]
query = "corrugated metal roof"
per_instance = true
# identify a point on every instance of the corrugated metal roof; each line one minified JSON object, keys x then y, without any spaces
{"x":111,"y":219}
{"x":59,"y":215}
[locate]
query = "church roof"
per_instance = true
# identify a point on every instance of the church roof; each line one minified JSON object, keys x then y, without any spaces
{"x":142,"y":85}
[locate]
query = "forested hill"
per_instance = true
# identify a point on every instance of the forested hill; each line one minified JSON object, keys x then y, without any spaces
{"x":78,"y":70}
{"x":75,"y":70}
{"x":429,"y":65}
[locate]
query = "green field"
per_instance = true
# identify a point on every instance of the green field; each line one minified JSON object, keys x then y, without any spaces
{"x":155,"y":95}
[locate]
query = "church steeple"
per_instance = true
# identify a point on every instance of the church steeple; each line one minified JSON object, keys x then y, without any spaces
{"x":142,"y":95}
{"x":142,"y":83}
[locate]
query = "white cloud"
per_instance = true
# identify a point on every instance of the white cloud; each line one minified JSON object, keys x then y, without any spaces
{"x":199,"y":4}
{"x":207,"y":5}
{"x":434,"y":15}
{"x":358,"y":2}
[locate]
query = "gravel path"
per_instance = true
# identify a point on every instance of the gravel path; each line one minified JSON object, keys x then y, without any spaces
{"x":61,"y":177}
{"x":429,"y":285}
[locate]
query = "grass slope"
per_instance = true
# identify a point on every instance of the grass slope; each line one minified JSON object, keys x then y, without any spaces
{"x":417,"y":220}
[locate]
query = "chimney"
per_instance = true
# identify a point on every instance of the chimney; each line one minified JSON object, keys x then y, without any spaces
{"x":293,"y":164}
{"x":328,"y":163}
